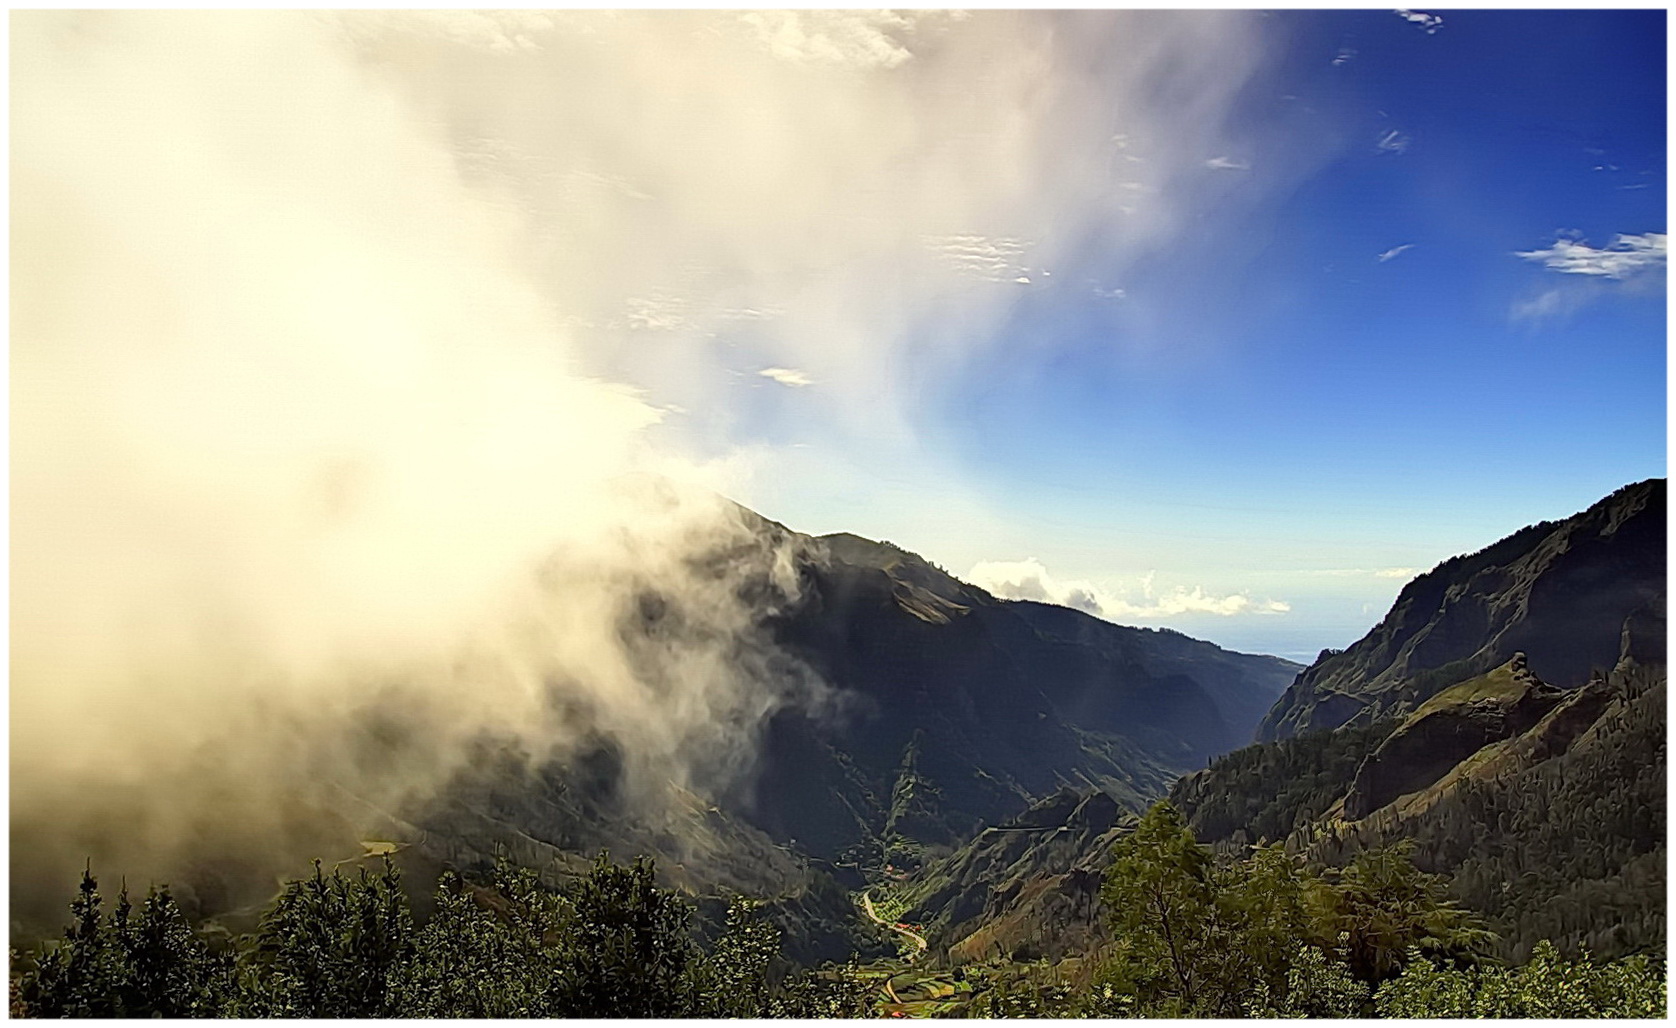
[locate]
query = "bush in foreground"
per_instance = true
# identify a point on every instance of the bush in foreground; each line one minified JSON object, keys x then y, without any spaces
{"x":614,"y":945}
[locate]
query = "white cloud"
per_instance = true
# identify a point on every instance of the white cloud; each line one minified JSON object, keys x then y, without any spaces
{"x":857,"y":39}
{"x":659,"y":313}
{"x":1345,"y":53}
{"x":881,"y":179}
{"x":1029,"y":580}
{"x":1115,"y":293}
{"x":994,"y":259}
{"x":320,"y":357}
{"x":1428,"y":23}
{"x":672,"y":312}
{"x":1393,"y":142}
{"x":364,"y":279}
{"x":1394,"y":252}
{"x":1228,"y":164}
{"x":1624,"y":257}
{"x":787,"y":377}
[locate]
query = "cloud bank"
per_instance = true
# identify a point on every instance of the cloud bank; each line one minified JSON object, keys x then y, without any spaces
{"x":1029,"y":580}
{"x":343,"y":345}
{"x":298,"y":448}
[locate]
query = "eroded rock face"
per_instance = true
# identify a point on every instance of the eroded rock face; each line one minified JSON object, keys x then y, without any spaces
{"x":1433,"y":741}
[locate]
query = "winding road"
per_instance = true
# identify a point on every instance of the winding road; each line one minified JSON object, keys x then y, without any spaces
{"x":917,"y":939}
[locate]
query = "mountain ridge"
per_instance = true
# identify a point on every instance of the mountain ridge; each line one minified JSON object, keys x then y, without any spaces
{"x":1012,"y":698}
{"x":1492,"y":770}
{"x":1559,"y":591}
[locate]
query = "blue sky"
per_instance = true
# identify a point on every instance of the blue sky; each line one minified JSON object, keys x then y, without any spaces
{"x":1225,"y":320}
{"x":1341,"y":365}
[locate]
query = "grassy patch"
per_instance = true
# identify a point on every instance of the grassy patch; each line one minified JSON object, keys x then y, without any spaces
{"x":1496,"y":684}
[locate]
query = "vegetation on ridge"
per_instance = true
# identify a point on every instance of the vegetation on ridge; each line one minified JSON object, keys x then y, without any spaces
{"x":1555,"y":834}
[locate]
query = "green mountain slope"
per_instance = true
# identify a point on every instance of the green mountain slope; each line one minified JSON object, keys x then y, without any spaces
{"x":1024,"y":889}
{"x":1545,"y":805}
{"x":952,"y":710}
{"x":943,"y":710}
{"x":1558,"y":591}
{"x":916,"y":709}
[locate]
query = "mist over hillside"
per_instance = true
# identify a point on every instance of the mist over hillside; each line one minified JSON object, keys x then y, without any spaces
{"x":898,"y":710}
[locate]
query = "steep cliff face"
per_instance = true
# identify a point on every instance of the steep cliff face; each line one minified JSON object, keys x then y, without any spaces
{"x":1564,"y":593}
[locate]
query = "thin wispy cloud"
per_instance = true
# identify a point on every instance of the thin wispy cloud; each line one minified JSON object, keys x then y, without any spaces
{"x":855,"y":39}
{"x":1623,"y":258}
{"x":672,"y":312}
{"x":1630,"y":264}
{"x":1029,"y":580}
{"x":1228,"y":164}
{"x":1394,"y":252}
{"x":1393,"y":142}
{"x":1549,"y":303}
{"x":992,"y":258}
{"x":1345,"y":53}
{"x":788,"y":377}
{"x":1427,"y":23}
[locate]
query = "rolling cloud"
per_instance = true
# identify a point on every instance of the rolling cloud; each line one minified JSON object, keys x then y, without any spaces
{"x":339,"y":368}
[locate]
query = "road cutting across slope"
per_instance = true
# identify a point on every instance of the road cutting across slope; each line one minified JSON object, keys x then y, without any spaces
{"x":917,"y":939}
